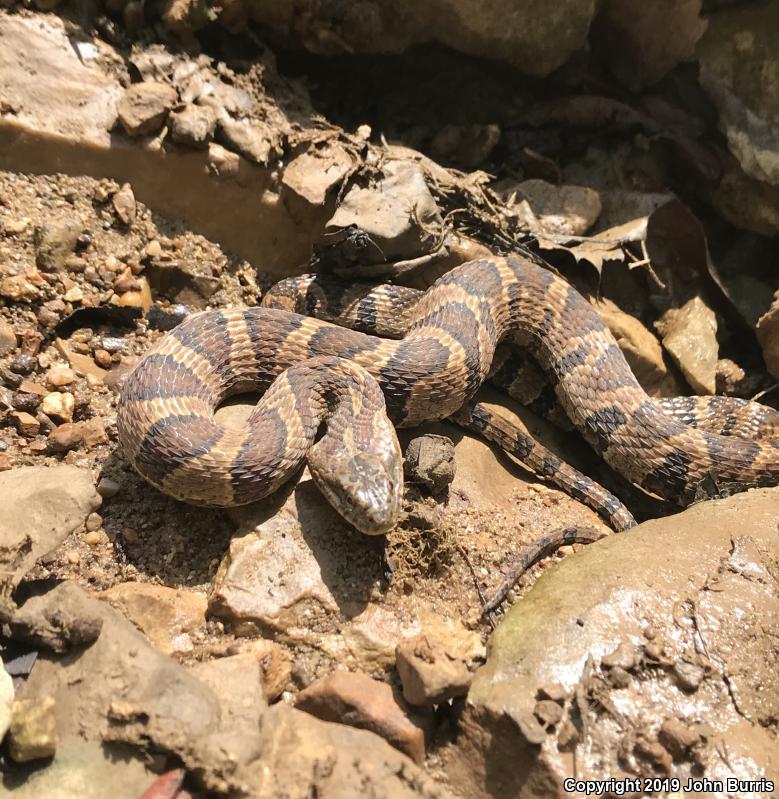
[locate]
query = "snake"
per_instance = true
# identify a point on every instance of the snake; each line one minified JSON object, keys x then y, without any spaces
{"x":332,"y":398}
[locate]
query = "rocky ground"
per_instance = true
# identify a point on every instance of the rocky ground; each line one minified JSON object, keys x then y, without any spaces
{"x":163,"y":160}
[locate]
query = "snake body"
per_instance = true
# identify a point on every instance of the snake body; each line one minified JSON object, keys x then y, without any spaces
{"x":166,"y":425}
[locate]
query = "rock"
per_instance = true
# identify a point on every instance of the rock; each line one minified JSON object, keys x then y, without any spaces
{"x":166,"y":616}
{"x":465,"y":145}
{"x":93,"y":522}
{"x":107,"y":488}
{"x":745,"y":202}
{"x":41,"y":506}
{"x":395,"y":219}
{"x":253,"y":140}
{"x":534,"y":38}
{"x":678,"y":738}
{"x":59,"y":376}
{"x":429,"y":460}
{"x":555,"y":210}
{"x":124,"y":204}
{"x":81,"y":364}
{"x":26,"y":424}
{"x":54,"y":242}
{"x":65,"y":437}
{"x":135,"y":299}
{"x":23,"y":364}
{"x":144,"y":107}
{"x":94,"y":433}
{"x":429,"y":673}
{"x":193,"y":126}
{"x":84,"y":769}
{"x":689,"y":335}
{"x":738,"y":57}
{"x":312,"y":174}
{"x":641,"y":349}
{"x":186,"y":16}
{"x":33,"y":731}
{"x":7,"y":338}
{"x":6,"y":700}
{"x":18,"y":288}
{"x":768,"y":336}
{"x":103,"y":359}
{"x":59,"y":405}
{"x":357,"y":700}
{"x":626,"y":591}
{"x":304,"y":757}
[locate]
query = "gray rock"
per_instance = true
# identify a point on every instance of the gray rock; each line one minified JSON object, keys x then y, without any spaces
{"x":647,"y":588}
{"x":430,"y":672}
{"x":41,"y":506}
{"x":429,"y":460}
{"x":395,"y":219}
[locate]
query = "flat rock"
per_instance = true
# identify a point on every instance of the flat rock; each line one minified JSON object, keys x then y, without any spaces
{"x":307,"y":757}
{"x":578,"y":651}
{"x":166,"y":616}
{"x":42,"y":505}
{"x":358,"y":700}
{"x":555,"y":210}
{"x":690,"y":335}
{"x":394,"y":218}
{"x":144,"y":107}
{"x":768,"y":336}
{"x":84,"y":769}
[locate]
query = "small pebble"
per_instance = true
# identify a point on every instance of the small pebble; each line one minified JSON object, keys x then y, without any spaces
{"x":23,"y":364}
{"x":26,"y":424}
{"x":94,"y":522}
{"x":59,"y":376}
{"x":73,"y":556}
{"x":113,"y":344}
{"x":107,"y":488}
{"x":103,"y":359}
{"x":130,"y":535}
{"x":93,"y":538}
{"x":23,"y":401}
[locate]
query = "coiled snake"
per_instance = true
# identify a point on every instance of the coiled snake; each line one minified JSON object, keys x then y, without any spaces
{"x":318,"y":375}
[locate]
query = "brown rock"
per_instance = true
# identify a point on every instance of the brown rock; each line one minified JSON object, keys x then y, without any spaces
{"x":136,"y":299}
{"x":6,"y":462}
{"x":768,"y":336}
{"x":124,"y":204}
{"x":428,"y":673}
{"x":690,"y":335}
{"x":357,"y":700}
{"x":26,"y":424}
{"x":65,"y":437}
{"x":33,"y":730}
{"x":677,"y":737}
{"x":429,"y":460}
{"x":81,"y":364}
{"x":18,"y":288}
{"x":7,"y":338}
{"x":144,"y":107}
{"x":193,"y":126}
{"x":94,"y":433}
{"x":166,"y":616}
{"x":103,"y":359}
{"x":251,"y":139}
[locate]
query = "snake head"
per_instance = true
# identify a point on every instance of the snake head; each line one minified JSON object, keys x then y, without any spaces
{"x":366,"y":488}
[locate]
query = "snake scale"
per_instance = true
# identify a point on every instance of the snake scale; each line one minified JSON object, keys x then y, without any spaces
{"x":330,"y":394}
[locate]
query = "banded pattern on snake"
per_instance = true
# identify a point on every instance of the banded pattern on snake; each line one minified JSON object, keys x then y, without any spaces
{"x":315,"y":372}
